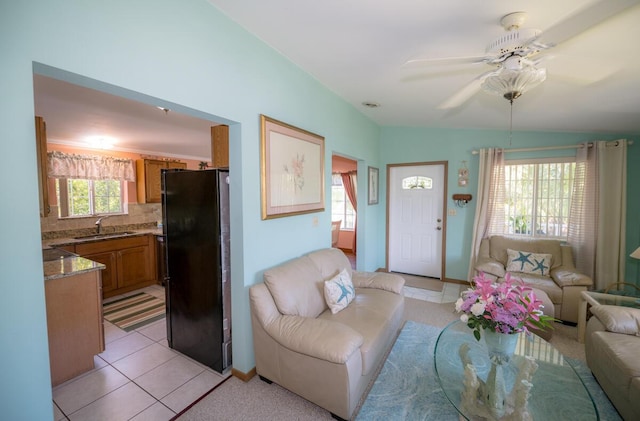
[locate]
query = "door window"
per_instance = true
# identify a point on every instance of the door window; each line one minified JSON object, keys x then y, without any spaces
{"x":417,"y":182}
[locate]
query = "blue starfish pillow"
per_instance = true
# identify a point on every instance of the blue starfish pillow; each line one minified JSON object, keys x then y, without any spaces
{"x":339,"y":291}
{"x":528,"y":262}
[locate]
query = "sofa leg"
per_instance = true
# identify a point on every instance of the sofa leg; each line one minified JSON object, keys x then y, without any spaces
{"x":335,"y":417}
{"x":264,"y":379}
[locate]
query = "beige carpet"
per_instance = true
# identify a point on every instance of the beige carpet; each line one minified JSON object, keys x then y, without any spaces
{"x":257,"y":400}
{"x":421,"y":282}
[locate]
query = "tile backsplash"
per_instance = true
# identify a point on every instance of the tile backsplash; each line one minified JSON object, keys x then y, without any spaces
{"x":140,"y":216}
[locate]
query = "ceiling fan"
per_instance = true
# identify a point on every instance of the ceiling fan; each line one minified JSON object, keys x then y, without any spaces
{"x":516,"y":54}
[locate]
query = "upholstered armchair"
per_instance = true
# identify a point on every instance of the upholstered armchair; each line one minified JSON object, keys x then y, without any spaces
{"x":544,"y":264}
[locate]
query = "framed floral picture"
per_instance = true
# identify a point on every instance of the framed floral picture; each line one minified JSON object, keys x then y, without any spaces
{"x":374,"y":178}
{"x":292,"y":169}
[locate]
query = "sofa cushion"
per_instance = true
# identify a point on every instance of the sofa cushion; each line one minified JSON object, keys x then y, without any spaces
{"x":542,"y":283}
{"x":379,"y":280}
{"x":376,"y":315}
{"x":339,"y":291}
{"x":499,"y":245}
{"x":619,"y":319}
{"x":617,"y":356}
{"x":528,"y":262}
{"x":297,"y":288}
{"x":330,"y":262}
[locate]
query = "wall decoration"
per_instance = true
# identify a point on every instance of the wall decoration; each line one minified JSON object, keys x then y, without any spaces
{"x":292,"y":169}
{"x":373,"y":185}
{"x":463,"y":175}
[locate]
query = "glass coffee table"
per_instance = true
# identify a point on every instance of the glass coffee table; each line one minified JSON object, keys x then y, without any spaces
{"x":556,"y":391}
{"x":601,"y":298}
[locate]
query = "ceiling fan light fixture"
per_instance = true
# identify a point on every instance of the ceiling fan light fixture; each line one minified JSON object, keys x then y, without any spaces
{"x":510,"y":84}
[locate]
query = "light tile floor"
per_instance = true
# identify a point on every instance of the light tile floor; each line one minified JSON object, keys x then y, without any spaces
{"x":449,"y":294}
{"x":138,"y":377}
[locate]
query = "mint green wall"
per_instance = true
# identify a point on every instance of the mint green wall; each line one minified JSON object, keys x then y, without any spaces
{"x":402,"y":145}
{"x":186,"y":54}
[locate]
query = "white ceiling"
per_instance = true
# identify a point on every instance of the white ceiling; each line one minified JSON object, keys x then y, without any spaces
{"x":357,"y":49}
{"x":75,"y":114}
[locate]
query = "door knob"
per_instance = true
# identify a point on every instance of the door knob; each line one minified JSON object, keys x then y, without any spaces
{"x":439,"y":220}
{"x":439,"y":228}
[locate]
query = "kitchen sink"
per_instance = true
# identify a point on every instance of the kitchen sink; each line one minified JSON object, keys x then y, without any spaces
{"x":105,"y":235}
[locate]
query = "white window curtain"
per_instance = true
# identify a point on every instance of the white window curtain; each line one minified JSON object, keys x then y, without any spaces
{"x":64,"y":165}
{"x":489,"y":218}
{"x":597,"y":221}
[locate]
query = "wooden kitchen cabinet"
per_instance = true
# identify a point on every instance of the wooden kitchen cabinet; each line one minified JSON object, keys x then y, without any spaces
{"x":148,"y":181}
{"x":43,"y":180}
{"x":74,"y":324}
{"x":130,"y":263}
{"x":220,"y":146}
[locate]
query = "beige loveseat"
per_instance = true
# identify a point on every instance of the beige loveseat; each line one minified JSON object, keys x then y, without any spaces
{"x":563,"y":283}
{"x":611,"y":346}
{"x":328,"y":359}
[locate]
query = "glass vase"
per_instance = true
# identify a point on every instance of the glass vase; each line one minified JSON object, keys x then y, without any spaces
{"x":500,"y":346}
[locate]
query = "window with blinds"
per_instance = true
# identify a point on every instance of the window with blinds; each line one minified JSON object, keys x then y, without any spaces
{"x":538,"y":197}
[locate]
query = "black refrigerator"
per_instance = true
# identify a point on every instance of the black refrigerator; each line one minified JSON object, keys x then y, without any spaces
{"x":195,"y":216}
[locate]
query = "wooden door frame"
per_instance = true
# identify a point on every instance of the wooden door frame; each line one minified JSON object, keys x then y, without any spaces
{"x":445,"y":176}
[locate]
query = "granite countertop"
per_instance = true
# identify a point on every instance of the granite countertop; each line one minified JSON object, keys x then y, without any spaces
{"x":60,"y":264}
{"x":58,"y":242}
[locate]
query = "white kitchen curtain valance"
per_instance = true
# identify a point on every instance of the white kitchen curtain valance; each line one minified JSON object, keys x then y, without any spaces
{"x":64,"y":165}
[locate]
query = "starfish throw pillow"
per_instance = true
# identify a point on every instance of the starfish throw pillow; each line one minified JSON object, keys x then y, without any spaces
{"x":339,"y":291}
{"x":528,"y":262}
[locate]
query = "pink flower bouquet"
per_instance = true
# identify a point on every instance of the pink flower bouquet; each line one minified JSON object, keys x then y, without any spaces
{"x":504,"y":307}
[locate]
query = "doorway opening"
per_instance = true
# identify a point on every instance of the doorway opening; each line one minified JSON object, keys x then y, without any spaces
{"x":344,"y":172}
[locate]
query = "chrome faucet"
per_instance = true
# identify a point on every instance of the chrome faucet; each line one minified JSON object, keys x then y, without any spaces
{"x":99,"y":223}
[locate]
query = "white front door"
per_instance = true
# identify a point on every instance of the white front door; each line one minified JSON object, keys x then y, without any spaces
{"x":416,"y":219}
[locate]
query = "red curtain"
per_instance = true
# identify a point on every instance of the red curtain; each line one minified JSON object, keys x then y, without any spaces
{"x":349,"y":181}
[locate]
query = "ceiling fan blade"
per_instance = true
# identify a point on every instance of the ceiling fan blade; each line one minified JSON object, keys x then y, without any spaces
{"x":580,"y":70}
{"x":423,"y":62}
{"x":583,"y":20}
{"x":466,"y":92}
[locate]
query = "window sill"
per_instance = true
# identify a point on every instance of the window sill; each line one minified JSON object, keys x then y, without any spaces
{"x":103,"y":215}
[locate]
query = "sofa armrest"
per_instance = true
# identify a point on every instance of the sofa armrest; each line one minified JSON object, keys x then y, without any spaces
{"x":618,"y":319}
{"x":318,"y":338}
{"x":378,"y":280}
{"x":490,"y":266}
{"x":564,"y":276}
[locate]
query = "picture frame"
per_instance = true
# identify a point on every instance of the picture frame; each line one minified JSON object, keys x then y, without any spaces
{"x":292,"y":170}
{"x":374,"y":188}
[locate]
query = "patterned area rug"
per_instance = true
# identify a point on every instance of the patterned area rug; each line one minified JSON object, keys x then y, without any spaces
{"x":134,"y":311}
{"x":399,"y":394}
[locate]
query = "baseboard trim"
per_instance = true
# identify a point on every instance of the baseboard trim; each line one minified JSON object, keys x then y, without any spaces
{"x":455,"y":281}
{"x":245,"y":377}
{"x":450,"y":280}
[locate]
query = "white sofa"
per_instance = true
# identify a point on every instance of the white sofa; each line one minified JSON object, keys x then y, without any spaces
{"x":611,"y":341}
{"x":563,"y":284}
{"x":328,"y":359}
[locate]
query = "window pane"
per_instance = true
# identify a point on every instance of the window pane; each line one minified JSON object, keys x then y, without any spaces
{"x":417,"y":182}
{"x":107,"y":196}
{"x":341,"y":208}
{"x":79,"y":203}
{"x":537,"y":198}
{"x":90,"y":197}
